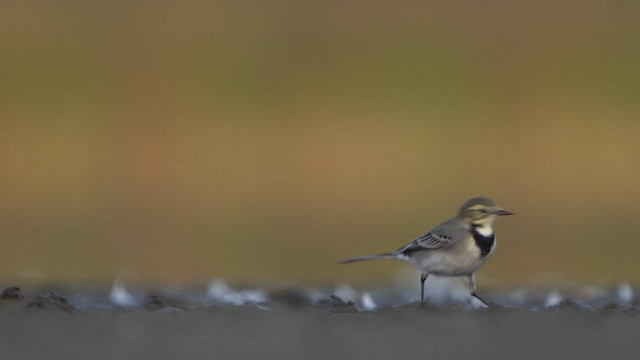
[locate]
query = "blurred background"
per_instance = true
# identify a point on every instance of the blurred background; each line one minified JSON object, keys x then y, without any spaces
{"x":265,"y":140}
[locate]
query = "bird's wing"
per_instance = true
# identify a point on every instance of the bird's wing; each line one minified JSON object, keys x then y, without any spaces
{"x":442,"y":236}
{"x":428,"y":241}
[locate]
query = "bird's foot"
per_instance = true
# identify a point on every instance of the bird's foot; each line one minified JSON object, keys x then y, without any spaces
{"x":484,"y":303}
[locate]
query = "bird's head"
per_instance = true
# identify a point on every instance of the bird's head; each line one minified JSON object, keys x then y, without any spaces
{"x":481,"y":211}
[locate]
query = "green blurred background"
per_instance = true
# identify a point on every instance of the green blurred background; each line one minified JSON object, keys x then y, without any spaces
{"x":258,"y":140}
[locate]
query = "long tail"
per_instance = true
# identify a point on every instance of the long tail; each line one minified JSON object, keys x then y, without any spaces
{"x":370,"y":257}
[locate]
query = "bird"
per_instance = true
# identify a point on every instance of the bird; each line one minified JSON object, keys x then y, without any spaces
{"x":457,"y":247}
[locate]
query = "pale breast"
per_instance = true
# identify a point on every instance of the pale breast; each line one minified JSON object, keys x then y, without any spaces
{"x":463,"y":259}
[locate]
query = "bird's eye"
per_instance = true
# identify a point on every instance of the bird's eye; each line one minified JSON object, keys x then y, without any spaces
{"x":484,"y":211}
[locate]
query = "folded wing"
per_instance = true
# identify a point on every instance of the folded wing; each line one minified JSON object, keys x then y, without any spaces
{"x":429,"y":241}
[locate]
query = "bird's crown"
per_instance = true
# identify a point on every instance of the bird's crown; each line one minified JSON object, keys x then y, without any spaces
{"x":478,"y":209}
{"x":479,"y":202}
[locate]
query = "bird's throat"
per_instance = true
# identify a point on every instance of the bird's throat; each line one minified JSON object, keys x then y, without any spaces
{"x":484,"y":238}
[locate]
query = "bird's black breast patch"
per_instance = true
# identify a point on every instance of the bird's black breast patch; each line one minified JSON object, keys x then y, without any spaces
{"x":485,"y":243}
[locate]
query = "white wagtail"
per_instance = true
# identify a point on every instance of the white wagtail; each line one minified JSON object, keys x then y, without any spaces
{"x":457,"y":247}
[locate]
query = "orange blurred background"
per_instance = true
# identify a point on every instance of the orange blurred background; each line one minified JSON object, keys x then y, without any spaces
{"x":262,"y":140}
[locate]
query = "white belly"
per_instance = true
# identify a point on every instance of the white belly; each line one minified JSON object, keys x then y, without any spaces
{"x":460,"y":260}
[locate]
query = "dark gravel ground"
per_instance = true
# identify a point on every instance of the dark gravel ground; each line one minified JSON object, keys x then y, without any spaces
{"x":251,"y":333}
{"x":53,"y":327}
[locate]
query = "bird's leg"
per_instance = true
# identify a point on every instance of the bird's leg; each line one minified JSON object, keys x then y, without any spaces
{"x":423,"y":278}
{"x":472,"y":285}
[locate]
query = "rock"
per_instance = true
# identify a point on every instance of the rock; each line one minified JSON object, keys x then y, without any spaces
{"x":11,"y":294}
{"x":569,"y":304}
{"x":155,"y":302}
{"x":51,"y":301}
{"x":336,"y":305}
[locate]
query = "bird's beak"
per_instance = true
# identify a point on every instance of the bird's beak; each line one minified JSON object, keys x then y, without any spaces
{"x":501,"y":212}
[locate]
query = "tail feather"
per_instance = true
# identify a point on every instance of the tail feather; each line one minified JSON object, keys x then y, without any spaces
{"x":370,"y":257}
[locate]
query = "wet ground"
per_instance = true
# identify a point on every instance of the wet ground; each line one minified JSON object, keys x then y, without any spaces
{"x":220,"y":322}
